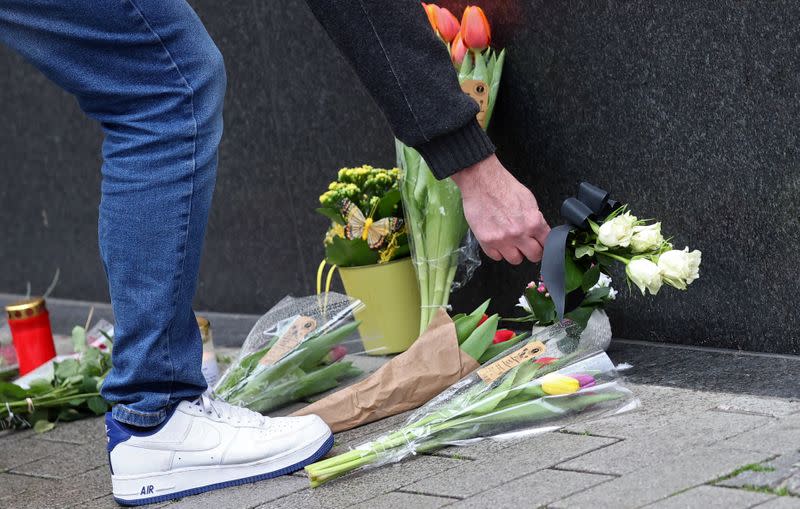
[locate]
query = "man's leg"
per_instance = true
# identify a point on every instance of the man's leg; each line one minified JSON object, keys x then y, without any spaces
{"x":148,"y":71}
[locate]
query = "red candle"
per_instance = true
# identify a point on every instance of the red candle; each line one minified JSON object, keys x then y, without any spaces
{"x":30,"y":330}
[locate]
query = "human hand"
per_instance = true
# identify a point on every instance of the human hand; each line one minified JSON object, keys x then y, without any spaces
{"x":502,"y":213}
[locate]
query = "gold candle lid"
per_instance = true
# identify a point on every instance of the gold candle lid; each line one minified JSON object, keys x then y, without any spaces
{"x":27,"y":308}
{"x":203,"y":324}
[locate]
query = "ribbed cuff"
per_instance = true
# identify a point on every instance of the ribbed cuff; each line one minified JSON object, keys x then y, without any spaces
{"x":456,"y":150}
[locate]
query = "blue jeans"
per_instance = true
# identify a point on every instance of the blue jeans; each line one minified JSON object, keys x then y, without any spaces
{"x":148,"y":71}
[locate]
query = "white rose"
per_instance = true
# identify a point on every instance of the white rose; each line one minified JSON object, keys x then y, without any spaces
{"x":617,"y":231}
{"x":646,"y":238}
{"x":644,"y":274}
{"x":680,"y":268}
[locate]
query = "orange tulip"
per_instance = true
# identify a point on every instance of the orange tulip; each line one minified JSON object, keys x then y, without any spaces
{"x":430,"y":10}
{"x":447,"y":24}
{"x":475,"y":29}
{"x":458,"y":50}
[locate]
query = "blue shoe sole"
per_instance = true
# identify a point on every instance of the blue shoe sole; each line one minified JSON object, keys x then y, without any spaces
{"x":322,"y":451}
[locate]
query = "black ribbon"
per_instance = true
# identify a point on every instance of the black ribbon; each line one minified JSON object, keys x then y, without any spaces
{"x":590,"y":203}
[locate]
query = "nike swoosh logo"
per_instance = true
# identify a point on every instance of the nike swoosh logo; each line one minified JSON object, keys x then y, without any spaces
{"x":201,"y":437}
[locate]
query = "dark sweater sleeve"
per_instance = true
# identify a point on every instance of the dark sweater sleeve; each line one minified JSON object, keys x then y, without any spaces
{"x":408,"y":72}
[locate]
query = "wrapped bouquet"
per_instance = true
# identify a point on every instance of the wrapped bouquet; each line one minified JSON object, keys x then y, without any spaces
{"x":293,"y":352}
{"x":532,"y":388}
{"x":433,"y":207}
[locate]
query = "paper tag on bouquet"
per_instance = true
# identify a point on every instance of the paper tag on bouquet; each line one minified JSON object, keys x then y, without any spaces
{"x":301,"y":327}
{"x":496,"y":369}
{"x":479,"y":91}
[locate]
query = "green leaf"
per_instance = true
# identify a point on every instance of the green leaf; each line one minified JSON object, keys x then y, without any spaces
{"x":350,"y":253}
{"x":479,"y":73}
{"x":387,"y":206}
{"x":596,"y":297}
{"x":466,"y":326}
{"x":11,"y":392}
{"x":580,"y":315}
{"x":67,"y":368}
{"x":573,"y":275}
{"x":69,"y":414}
{"x":97,"y":405}
{"x":542,"y":307}
{"x":582,"y":251}
{"x":42,"y":426}
{"x":332,"y":214}
{"x":40,"y":386}
{"x":594,"y":226}
{"x":78,"y":338}
{"x":477,"y":343}
{"x":590,"y":278}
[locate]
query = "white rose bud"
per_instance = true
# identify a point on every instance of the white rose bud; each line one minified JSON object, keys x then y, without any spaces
{"x":644,"y":274}
{"x":646,"y":238}
{"x":680,"y":268}
{"x":617,"y":231}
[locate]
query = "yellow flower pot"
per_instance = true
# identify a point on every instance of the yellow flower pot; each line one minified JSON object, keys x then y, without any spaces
{"x":390,"y":320}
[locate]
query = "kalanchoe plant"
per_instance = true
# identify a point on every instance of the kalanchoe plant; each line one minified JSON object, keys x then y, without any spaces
{"x":620,"y":238}
{"x":364,"y":207}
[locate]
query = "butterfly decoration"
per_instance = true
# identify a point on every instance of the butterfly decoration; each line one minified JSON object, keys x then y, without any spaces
{"x":358,"y":226}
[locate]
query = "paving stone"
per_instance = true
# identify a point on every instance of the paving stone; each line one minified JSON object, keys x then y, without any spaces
{"x":28,"y":449}
{"x":668,"y":441}
{"x":782,"y":503}
{"x":521,"y":458}
{"x":15,"y":487}
{"x":660,"y":407}
{"x":77,"y":432}
{"x":662,"y":479}
{"x":248,"y":495}
{"x":75,"y":491}
{"x":360,"y":487}
{"x":712,"y":497}
{"x":402,"y":500}
{"x":780,"y":437}
{"x":64,"y":460}
{"x":773,"y":407}
{"x":778,"y":473}
{"x":534,"y":490}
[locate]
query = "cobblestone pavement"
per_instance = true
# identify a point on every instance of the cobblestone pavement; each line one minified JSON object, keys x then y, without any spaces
{"x":716,"y":429}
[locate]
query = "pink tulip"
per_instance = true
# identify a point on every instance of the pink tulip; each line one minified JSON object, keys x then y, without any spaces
{"x":458,"y":50}
{"x":447,"y":24}
{"x":475,"y":29}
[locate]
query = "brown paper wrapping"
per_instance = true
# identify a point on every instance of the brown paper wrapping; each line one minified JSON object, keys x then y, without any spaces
{"x":433,"y":363}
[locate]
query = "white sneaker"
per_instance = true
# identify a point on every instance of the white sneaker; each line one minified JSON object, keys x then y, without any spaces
{"x":206,"y":445}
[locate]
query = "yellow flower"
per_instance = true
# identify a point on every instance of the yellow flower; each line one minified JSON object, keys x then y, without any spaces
{"x":555,"y":384}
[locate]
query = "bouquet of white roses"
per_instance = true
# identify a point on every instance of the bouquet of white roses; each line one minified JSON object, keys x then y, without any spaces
{"x":578,"y":256}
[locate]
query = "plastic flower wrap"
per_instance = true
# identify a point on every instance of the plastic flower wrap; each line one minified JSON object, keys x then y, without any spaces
{"x":533,"y":388}
{"x":294,"y":351}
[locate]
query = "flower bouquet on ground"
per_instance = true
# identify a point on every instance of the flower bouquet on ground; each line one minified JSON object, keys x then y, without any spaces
{"x":446,"y":352}
{"x":368,"y":243}
{"x":433,"y":207}
{"x":64,"y":390}
{"x":530,"y":389}
{"x":294,"y":351}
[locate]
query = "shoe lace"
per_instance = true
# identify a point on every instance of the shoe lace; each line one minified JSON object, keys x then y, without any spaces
{"x":208,"y":404}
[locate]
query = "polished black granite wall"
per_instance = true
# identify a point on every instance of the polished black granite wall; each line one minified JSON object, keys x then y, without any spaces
{"x":688,"y":110}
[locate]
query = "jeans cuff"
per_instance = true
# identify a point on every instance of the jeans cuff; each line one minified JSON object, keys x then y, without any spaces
{"x":136,"y":418}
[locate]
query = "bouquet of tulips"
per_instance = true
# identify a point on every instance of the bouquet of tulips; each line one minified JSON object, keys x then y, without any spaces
{"x":293,"y":352}
{"x":433,"y":208}
{"x":535,"y":387}
{"x":448,"y":350}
